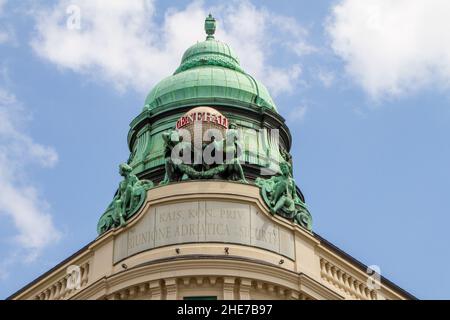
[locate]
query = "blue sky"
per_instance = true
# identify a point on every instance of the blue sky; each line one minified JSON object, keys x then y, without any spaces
{"x":362,"y":84}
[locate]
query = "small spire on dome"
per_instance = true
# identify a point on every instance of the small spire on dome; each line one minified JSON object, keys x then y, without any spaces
{"x":210,"y":26}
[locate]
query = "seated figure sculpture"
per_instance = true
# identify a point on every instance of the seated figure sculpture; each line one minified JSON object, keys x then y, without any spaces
{"x":128,"y":199}
{"x":177,"y":168}
{"x":170,"y":139}
{"x":280,"y":194}
{"x":175,"y":150}
{"x":233,"y":168}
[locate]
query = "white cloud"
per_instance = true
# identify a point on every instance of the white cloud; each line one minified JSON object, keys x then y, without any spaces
{"x":326,"y":77}
{"x":6,"y":33}
{"x":281,"y":80}
{"x":393,"y":47}
{"x":3,"y":37}
{"x":3,"y":273}
{"x":256,"y":35}
{"x":19,"y":199}
{"x":124,"y":45}
{"x":2,"y":5}
{"x":297,"y":113}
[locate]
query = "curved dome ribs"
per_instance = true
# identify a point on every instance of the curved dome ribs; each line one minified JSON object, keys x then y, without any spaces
{"x":209,"y":71}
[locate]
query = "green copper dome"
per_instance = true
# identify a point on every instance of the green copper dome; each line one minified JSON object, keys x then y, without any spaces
{"x":209,"y":72}
{"x":209,"y":52}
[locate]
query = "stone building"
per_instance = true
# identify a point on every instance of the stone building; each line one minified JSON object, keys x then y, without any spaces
{"x":182,"y":226}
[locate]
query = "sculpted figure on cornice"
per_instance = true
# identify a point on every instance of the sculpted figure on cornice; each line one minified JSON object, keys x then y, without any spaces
{"x":179,"y":154}
{"x":280,"y":194}
{"x":129,"y":197}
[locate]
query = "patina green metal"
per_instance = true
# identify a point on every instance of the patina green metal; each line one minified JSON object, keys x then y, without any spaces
{"x":210,"y":74}
{"x":209,"y":53}
{"x":280,"y":195}
{"x":209,"y":83}
{"x":209,"y":60}
{"x":129,"y":197}
{"x":209,"y":70}
{"x":210,"y":26}
{"x":232,"y":147}
{"x":177,"y":170}
{"x":148,"y":145}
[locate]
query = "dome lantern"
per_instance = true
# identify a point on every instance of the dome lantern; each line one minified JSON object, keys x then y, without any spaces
{"x":209,"y":71}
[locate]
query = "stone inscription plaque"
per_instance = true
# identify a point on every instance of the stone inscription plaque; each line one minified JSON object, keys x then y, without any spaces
{"x":204,"y":221}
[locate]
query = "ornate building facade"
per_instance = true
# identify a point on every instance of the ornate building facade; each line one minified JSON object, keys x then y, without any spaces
{"x":208,"y":207}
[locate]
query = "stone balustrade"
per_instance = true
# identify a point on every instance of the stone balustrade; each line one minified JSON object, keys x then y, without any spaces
{"x":350,"y":285}
{"x":67,"y":285}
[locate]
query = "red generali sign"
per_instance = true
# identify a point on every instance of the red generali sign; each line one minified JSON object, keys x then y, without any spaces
{"x":202,"y":114}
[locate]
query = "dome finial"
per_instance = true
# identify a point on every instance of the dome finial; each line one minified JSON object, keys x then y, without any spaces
{"x":210,"y":26}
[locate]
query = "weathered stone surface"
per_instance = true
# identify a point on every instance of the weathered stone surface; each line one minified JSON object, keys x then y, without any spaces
{"x":142,"y":235}
{"x":204,"y":221}
{"x":177,"y":223}
{"x":227,"y":222}
{"x":264,"y":233}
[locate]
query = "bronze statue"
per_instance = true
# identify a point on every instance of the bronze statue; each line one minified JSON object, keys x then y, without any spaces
{"x":280,"y":194}
{"x":177,"y":169}
{"x":173,"y":163}
{"x":233,"y":148}
{"x":128,"y":199}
